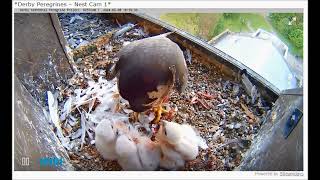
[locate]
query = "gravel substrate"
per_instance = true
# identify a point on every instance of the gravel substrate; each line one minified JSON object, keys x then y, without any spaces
{"x":219,"y":109}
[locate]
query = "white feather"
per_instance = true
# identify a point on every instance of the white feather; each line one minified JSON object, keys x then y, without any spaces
{"x":83,"y":129}
{"x":53,"y":110}
{"x":91,"y":104}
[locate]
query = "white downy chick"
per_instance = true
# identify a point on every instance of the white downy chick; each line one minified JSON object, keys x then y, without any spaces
{"x":149,"y":153}
{"x":105,"y":136}
{"x":122,"y":127}
{"x":171,"y":164}
{"x":175,"y":135}
{"x":127,"y":152}
{"x":182,"y":137}
{"x":194,"y":136}
{"x":170,"y":158}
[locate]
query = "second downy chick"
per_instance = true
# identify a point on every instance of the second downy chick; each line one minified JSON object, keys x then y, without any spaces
{"x":182,"y":137}
{"x":149,"y":153}
{"x":137,"y":152}
{"x":127,"y":152}
{"x":170,"y":158}
{"x":105,"y":136}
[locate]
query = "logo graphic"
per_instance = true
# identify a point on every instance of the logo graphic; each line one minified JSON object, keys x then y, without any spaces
{"x":51,"y":161}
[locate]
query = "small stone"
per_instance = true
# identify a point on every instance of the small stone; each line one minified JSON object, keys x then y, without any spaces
{"x":222,"y":139}
{"x":211,"y":145}
{"x":251,"y":121}
{"x":213,"y":129}
{"x":221,"y":123}
{"x":79,"y":60}
{"x":230,"y":126}
{"x":273,"y":115}
{"x":235,"y":90}
{"x":75,"y":161}
{"x":237,"y":125}
{"x":87,"y":156}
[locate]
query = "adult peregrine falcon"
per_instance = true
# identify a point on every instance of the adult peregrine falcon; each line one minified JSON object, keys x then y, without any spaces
{"x":147,"y":71}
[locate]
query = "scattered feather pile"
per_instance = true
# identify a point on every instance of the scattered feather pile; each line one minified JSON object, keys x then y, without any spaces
{"x":98,"y":115}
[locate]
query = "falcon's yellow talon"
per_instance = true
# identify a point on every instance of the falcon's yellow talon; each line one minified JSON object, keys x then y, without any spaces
{"x":158,"y":112}
{"x":164,"y":111}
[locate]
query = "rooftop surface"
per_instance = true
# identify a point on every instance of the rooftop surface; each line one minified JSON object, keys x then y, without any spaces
{"x":261,"y":52}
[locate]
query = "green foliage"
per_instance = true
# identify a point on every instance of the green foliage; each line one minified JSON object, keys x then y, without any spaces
{"x":239,"y":22}
{"x":198,"y":24}
{"x":219,"y":28}
{"x":231,"y":15}
{"x":208,"y":25}
{"x":227,"y":15}
{"x":290,"y":28}
{"x":296,"y":36}
{"x":283,"y":26}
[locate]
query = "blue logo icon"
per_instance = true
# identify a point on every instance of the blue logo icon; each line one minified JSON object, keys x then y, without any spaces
{"x":51,"y":161}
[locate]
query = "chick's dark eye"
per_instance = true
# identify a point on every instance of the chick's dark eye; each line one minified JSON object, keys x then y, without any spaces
{"x":165,"y":132}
